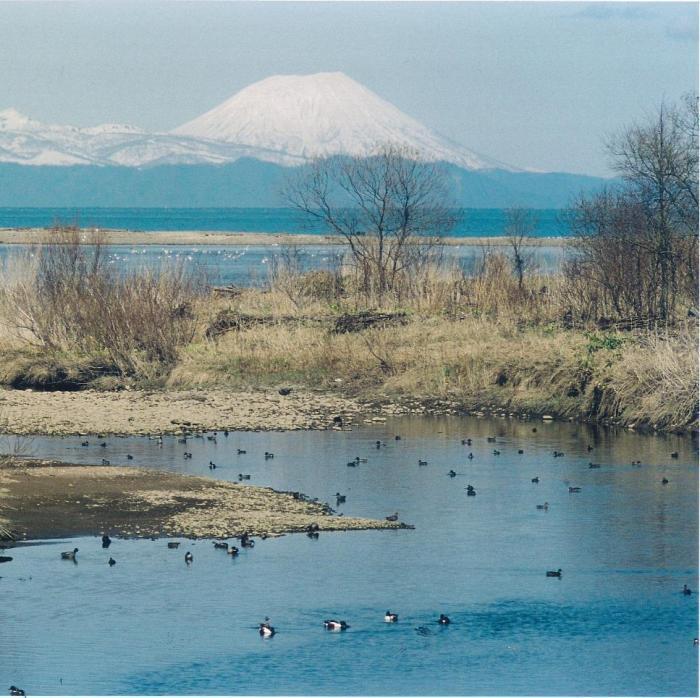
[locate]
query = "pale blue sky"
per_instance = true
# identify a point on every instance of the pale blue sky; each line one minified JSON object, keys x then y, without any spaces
{"x":533,"y":84}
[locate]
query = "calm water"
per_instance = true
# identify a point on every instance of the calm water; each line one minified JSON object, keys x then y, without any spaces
{"x":250,"y":264}
{"x":614,"y":624}
{"x":473,"y":222}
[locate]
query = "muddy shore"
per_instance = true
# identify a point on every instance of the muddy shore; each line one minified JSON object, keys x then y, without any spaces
{"x":25,"y":236}
{"x":42,"y":499}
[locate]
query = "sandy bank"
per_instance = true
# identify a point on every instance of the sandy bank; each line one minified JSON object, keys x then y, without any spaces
{"x":139,"y":412}
{"x":16,"y":236}
{"x":51,"y":500}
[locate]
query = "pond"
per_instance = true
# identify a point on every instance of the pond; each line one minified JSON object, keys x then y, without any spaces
{"x":615,"y":623}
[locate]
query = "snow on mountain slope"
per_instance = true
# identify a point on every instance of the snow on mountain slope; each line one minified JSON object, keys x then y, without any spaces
{"x":322,"y":114}
{"x":284,"y":119}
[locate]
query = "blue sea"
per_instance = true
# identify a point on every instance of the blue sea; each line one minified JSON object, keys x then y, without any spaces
{"x":472,"y":222}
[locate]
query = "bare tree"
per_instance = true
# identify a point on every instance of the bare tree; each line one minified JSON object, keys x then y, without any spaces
{"x":659,"y":162}
{"x":521,"y":223}
{"x":391,"y":208}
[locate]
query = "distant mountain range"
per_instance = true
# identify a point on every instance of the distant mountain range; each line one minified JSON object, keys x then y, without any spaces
{"x":239,"y":153}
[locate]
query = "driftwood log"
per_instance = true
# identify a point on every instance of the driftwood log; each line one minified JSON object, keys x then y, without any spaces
{"x":366,"y":319}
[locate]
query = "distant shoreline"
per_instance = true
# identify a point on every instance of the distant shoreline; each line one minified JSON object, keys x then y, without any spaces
{"x":28,"y":236}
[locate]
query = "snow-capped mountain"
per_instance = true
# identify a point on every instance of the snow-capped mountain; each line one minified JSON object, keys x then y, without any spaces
{"x":284,"y":119}
{"x":324,"y":114}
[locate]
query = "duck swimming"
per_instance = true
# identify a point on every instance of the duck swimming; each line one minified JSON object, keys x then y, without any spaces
{"x":335,"y":625}
{"x":174,"y":544}
{"x":686,"y":590}
{"x":554,"y":573}
{"x":443,"y":619}
{"x":390,"y":617}
{"x":106,"y":541}
{"x":112,"y":562}
{"x":339,"y":498}
{"x":232,"y":550}
{"x":543,"y":506}
{"x":14,"y":691}
{"x":221,"y":545}
{"x":69,"y":555}
{"x":452,"y":473}
{"x":188,"y":558}
{"x":535,"y":480}
{"x":265,"y":629}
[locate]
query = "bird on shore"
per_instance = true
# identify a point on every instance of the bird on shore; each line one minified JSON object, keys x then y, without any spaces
{"x":393,"y":517}
{"x":174,"y":544}
{"x":69,"y":555}
{"x":265,"y":629}
{"x":188,"y":557}
{"x":686,"y":590}
{"x":335,"y":625}
{"x":111,"y":562}
{"x":390,"y":617}
{"x":554,"y":573}
{"x":443,"y":619}
{"x":14,"y":691}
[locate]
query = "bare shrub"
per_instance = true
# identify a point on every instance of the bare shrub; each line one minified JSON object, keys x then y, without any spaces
{"x":70,"y":299}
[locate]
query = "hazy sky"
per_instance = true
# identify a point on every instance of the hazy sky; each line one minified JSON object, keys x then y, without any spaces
{"x":533,"y":84}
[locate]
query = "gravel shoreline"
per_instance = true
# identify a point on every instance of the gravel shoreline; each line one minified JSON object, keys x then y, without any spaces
{"x":43,"y":499}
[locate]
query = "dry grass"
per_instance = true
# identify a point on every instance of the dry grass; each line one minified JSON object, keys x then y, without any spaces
{"x":483,"y":341}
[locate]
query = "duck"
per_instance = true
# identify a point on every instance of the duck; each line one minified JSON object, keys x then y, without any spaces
{"x":266,"y":630}
{"x":312,"y":530}
{"x":337,"y":421}
{"x":674,"y":454}
{"x":241,"y":451}
{"x":129,"y":456}
{"x":211,"y":438}
{"x":452,"y":473}
{"x":686,"y":590}
{"x":496,"y":453}
{"x":188,"y":558}
{"x":187,"y":455}
{"x":14,"y":691}
{"x":247,"y":541}
{"x":393,"y":517}
{"x":269,"y":455}
{"x":594,"y":465}
{"x":103,"y":444}
{"x":183,"y":440}
{"x":220,"y":545}
{"x":574,"y":489}
{"x":534,"y":430}
{"x":471,"y":492}
{"x":535,"y":480}
{"x":664,"y":481}
{"x":352,"y":464}
{"x":443,"y":619}
{"x":340,"y":498}
{"x":105,"y":461}
{"x":397,"y":438}
{"x":69,"y":555}
{"x":173,"y":544}
{"x":232,"y":550}
{"x":84,"y":443}
{"x":470,"y":456}
{"x":422,"y":462}
{"x":111,"y":562}
{"x":335,"y":625}
{"x":589,"y":448}
{"x":360,"y":460}
{"x":558,"y":454}
{"x":544,"y":506}
{"x":390,"y":617}
{"x":520,"y":451}
{"x":106,"y":541}
{"x":554,"y":573}
{"x":491,"y":439}
{"x":241,"y":476}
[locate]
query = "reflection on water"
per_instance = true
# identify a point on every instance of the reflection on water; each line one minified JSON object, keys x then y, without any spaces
{"x":615,"y":623}
{"x":250,"y":264}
